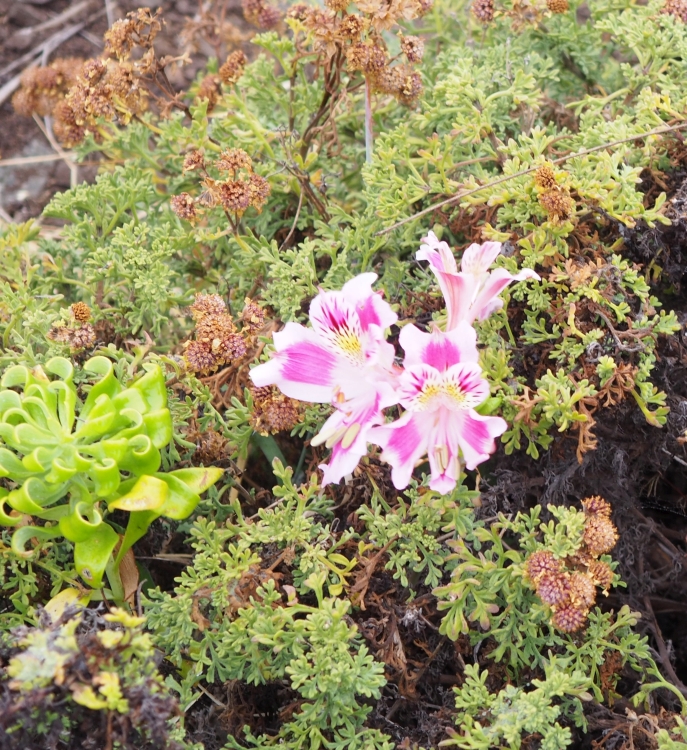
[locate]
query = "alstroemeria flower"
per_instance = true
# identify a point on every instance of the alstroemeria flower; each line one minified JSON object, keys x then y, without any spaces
{"x":440,"y":387}
{"x":343,"y":360}
{"x":471,"y":293}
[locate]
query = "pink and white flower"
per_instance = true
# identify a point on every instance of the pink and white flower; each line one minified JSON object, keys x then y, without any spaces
{"x":440,"y":387}
{"x":344,"y":360}
{"x":471,"y":293}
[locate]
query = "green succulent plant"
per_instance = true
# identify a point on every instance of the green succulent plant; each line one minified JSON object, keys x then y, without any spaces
{"x":71,"y":461}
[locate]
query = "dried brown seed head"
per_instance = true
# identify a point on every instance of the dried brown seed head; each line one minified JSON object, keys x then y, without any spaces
{"x":601,"y":573}
{"x":230,"y":348}
{"x":557,"y":203}
{"x":337,"y":5}
{"x":554,"y":588}
{"x":544,"y":177}
{"x":233,"y":67}
{"x":209,"y":89}
{"x":81,"y":312}
{"x":211,"y":329}
{"x":413,"y":48}
{"x":253,"y":316}
{"x":82,"y":338}
{"x":259,"y":190}
{"x":199,"y":359}
{"x":193,"y":160}
{"x":569,"y":618}
{"x":183,"y":206}
{"x":540,"y":563}
{"x":596,"y":506}
{"x":582,"y":590}
{"x":232,"y":160}
{"x":600,"y":534}
{"x":558,"y":6}
{"x":483,"y":10}
{"x":235,"y":195}
{"x":273,"y":411}
{"x":208,"y":304}
{"x":352,"y":27}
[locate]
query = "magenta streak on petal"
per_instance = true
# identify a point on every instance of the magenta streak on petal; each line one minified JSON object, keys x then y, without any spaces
{"x":476,"y":438}
{"x":367,"y":314}
{"x":405,"y":442}
{"x":307,"y":363}
{"x":441,"y":353}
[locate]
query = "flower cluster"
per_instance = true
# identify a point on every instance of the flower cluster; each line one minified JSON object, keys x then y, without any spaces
{"x":273,"y":411}
{"x":345,"y":360}
{"x":105,"y":89}
{"x":79,"y":334}
{"x":569,"y":586}
{"x":217,"y":341}
{"x":553,"y":198}
{"x":43,"y":87}
{"x":239,"y":189}
{"x":358,"y":38}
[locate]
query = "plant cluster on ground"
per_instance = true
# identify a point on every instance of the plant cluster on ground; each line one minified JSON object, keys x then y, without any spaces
{"x":342,"y":408}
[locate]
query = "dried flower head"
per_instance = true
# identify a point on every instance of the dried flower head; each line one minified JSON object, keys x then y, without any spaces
{"x":67,"y":131}
{"x":193,"y":160}
{"x":235,"y":195}
{"x":596,"y":506}
{"x":582,"y":590}
{"x":211,"y":447}
{"x":183,"y":206}
{"x":260,"y":14}
{"x":557,"y":203}
{"x":259,"y":190}
{"x":569,"y":618}
{"x":273,"y":411}
{"x":483,"y":10}
{"x":233,"y":67}
{"x":209,"y":89}
{"x":253,"y":316}
{"x":558,"y":6}
{"x":366,"y":56}
{"x":232,"y":160}
{"x":81,"y":312}
{"x":413,"y":48}
{"x":299,"y":11}
{"x":199,"y":359}
{"x":553,"y":588}
{"x":601,"y":573}
{"x":211,"y":330}
{"x":83,"y":338}
{"x":230,"y":348}
{"x":352,"y":27}
{"x":208,"y":304}
{"x":676,"y":8}
{"x":600,"y":534}
{"x":541,"y":563}
{"x":337,"y":5}
{"x":544,"y":177}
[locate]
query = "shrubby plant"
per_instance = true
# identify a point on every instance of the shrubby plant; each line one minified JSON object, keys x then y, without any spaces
{"x":397,"y":242}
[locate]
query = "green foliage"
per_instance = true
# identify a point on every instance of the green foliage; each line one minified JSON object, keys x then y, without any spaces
{"x":105,"y":449}
{"x":499,"y":720}
{"x":228,"y":619}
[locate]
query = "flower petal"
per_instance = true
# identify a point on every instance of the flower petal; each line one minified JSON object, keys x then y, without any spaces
{"x":348,"y":430}
{"x":439,"y":349}
{"x":403,"y":443}
{"x":487,"y":300}
{"x":478,"y":258}
{"x":475,"y":434}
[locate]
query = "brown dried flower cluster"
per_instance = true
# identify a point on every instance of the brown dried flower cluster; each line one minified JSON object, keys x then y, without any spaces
{"x":553,"y":198}
{"x":42,"y":88}
{"x":217,"y":340}
{"x":261,"y":14}
{"x":138,"y":29}
{"x":558,"y":6}
{"x":233,"y":67}
{"x":79,"y":334}
{"x":107,"y":90}
{"x":483,"y":10}
{"x":273,"y":411}
{"x":676,"y":8}
{"x":240,"y":190}
{"x":569,"y":586}
{"x":357,"y":38}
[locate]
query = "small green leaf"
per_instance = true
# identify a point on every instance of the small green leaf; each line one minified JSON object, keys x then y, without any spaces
{"x":92,"y":555}
{"x":198,"y":479}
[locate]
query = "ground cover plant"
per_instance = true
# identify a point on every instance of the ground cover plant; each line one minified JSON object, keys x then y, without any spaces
{"x":345,"y":407}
